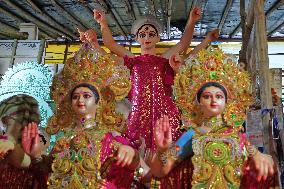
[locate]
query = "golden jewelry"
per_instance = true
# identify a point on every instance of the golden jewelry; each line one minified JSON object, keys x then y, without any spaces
{"x":212,"y":65}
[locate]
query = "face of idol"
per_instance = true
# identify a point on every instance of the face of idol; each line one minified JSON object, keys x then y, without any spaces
{"x":212,"y":102}
{"x":84,"y":102}
{"x":147,"y":37}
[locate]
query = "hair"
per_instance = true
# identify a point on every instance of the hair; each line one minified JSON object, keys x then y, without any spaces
{"x":91,"y":87}
{"x":146,"y":25}
{"x":20,"y":104}
{"x":211,"y":84}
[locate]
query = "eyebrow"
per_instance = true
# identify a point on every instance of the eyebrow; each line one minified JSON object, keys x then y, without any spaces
{"x":82,"y":92}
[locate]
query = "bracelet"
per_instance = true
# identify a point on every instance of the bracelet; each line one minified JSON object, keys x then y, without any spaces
{"x":36,"y":160}
{"x":138,"y":174}
{"x":170,"y":153}
{"x":3,"y":138}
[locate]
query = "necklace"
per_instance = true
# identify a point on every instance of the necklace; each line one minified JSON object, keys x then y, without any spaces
{"x":88,"y":123}
{"x":214,"y":124}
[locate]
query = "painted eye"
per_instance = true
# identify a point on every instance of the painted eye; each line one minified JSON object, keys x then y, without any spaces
{"x":206,"y":96}
{"x":142,"y":35}
{"x":152,"y":34}
{"x":219,"y":97}
{"x":75,"y":97}
{"x":86,"y":96}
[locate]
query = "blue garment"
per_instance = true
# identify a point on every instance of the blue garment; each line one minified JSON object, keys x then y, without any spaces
{"x":185,"y":144}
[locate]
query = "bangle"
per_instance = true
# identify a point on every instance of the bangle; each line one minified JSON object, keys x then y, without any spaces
{"x":138,"y":174}
{"x":3,"y":138}
{"x":36,"y":160}
{"x":170,"y":153}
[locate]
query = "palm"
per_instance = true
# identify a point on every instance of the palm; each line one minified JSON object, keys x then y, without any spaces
{"x":195,"y":14}
{"x":99,"y":16}
{"x":163,"y":134}
{"x":175,"y":62}
{"x":30,"y":140}
{"x":213,"y":35}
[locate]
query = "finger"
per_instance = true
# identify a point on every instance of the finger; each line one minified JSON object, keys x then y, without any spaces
{"x":79,"y":31}
{"x":260,"y":172}
{"x":127,"y":159}
{"x":29,"y":131}
{"x":25,"y":134}
{"x":120,"y":157}
{"x":36,"y":140}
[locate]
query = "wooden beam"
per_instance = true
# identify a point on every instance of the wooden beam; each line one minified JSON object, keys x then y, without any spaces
{"x":42,"y":33}
{"x":247,"y":33}
{"x":169,"y":14}
{"x":111,"y":10}
{"x":153,"y":7}
{"x":14,"y":50}
{"x":11,"y":31}
{"x":276,"y":29}
{"x":263,"y":62}
{"x":40,"y":51}
{"x":225,"y":14}
{"x":60,"y":30}
{"x":34,"y":6}
{"x":68,"y":15}
{"x":130,"y":9}
{"x":275,"y":6}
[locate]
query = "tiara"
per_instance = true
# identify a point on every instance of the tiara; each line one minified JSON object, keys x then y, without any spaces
{"x":213,"y":65}
{"x":101,"y":71}
{"x":147,"y":19}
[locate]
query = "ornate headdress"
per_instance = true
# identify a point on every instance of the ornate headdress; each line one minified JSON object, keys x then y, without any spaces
{"x":32,"y":79}
{"x":101,"y":71}
{"x":212,"y":65}
{"x":148,"y":19}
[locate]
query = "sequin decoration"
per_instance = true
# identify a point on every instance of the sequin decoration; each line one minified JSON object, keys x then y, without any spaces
{"x":152,"y":78}
{"x":212,"y":65}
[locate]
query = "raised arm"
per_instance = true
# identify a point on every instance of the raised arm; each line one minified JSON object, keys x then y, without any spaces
{"x":163,"y":162}
{"x":90,"y":36}
{"x":187,"y":35}
{"x":211,"y":36}
{"x":107,"y":36}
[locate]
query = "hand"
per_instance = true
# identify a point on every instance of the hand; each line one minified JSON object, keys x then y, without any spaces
{"x":175,"y":62}
{"x":213,"y":35}
{"x":125,"y":155}
{"x":195,"y":14}
{"x":264,"y":165}
{"x":5,"y":146}
{"x":31,"y":141}
{"x":88,"y":36}
{"x":163,"y":134}
{"x":99,"y":17}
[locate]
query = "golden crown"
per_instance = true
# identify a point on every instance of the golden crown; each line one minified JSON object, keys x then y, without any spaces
{"x":102,"y":71}
{"x":212,"y":65}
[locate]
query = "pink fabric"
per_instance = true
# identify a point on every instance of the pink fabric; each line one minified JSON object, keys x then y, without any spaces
{"x":117,"y":176}
{"x":150,"y":95}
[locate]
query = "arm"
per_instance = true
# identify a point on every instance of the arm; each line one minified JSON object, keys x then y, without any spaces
{"x":162,"y":164}
{"x":187,"y":36}
{"x":90,"y":36}
{"x":211,"y":36}
{"x":107,"y":36}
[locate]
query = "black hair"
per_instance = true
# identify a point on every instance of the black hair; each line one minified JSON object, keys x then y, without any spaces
{"x":42,"y":138}
{"x":211,"y":84}
{"x":146,"y":25}
{"x":91,"y":87}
